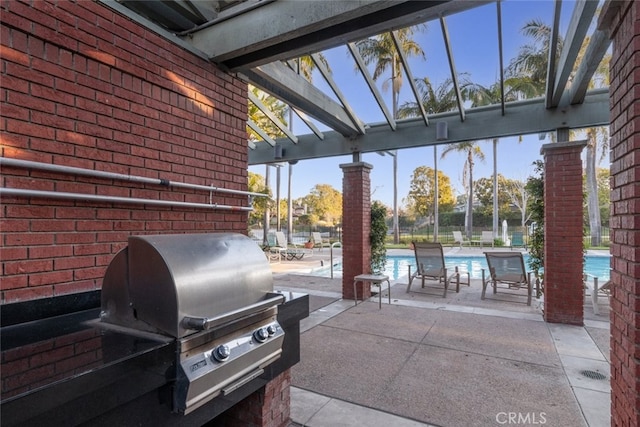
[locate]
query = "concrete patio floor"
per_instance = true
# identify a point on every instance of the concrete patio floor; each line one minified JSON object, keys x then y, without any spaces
{"x":427,"y":360}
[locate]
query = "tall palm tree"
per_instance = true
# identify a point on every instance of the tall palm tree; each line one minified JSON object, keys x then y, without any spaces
{"x":381,"y":51}
{"x":531,"y":62}
{"x":532,"y":59}
{"x":434,"y":100}
{"x":597,"y":141}
{"x":472,"y":151}
{"x":514,"y":88}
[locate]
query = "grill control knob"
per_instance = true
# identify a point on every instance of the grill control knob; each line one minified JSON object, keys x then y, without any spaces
{"x":221,"y":353}
{"x":261,"y":335}
{"x":271,"y":330}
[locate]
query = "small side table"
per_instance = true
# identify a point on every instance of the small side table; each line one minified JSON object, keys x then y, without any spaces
{"x":375,"y":280}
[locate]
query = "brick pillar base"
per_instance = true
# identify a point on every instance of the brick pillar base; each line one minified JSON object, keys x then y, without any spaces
{"x":356,"y":226}
{"x":563,"y":257}
{"x":268,"y":407}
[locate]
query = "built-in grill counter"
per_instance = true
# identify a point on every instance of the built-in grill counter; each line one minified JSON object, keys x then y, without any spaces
{"x":185,"y":326}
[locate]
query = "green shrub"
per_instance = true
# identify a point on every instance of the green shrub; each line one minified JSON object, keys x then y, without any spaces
{"x":377,"y":237}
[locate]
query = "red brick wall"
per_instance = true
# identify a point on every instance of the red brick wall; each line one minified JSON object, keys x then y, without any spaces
{"x":622,"y":19}
{"x":563,"y":231}
{"x":267,"y":407}
{"x":356,"y":225}
{"x":85,"y":87}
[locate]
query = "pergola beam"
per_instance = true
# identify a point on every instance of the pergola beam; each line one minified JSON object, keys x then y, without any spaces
{"x":283,"y":83}
{"x":287,"y":29}
{"x":372,"y":85}
{"x":524,"y":117}
{"x":597,"y":48}
{"x":357,"y":123}
{"x":452,"y":67}
{"x":265,"y":110}
{"x":407,"y":70}
{"x":580,"y":22}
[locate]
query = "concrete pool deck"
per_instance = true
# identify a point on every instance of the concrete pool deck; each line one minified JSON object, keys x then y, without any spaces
{"x":427,"y":360}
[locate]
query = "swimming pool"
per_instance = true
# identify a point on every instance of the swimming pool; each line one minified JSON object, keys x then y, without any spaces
{"x":398,"y":266}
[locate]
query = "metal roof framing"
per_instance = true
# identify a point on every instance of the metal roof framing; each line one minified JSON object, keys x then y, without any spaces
{"x":253,"y":37}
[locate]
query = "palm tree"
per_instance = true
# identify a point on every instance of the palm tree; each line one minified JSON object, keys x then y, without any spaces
{"x":514,"y":88}
{"x":472,"y":150}
{"x":531,"y":63}
{"x":381,"y":50}
{"x":597,"y":141}
{"x":438,"y":100}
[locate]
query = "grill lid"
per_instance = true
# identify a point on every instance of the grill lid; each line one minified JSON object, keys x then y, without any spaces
{"x":175,"y":283}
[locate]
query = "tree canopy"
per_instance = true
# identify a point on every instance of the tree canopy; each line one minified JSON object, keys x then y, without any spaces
{"x":484,"y":193}
{"x":256,"y":184}
{"x":325,"y":202}
{"x":422,"y":192}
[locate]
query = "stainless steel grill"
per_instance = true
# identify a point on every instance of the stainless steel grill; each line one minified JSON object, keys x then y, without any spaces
{"x":213,"y":294}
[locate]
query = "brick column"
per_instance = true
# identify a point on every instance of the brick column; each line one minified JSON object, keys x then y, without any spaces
{"x":563,"y":230}
{"x":356,"y":226}
{"x":621,"y":20}
{"x":268,"y":407}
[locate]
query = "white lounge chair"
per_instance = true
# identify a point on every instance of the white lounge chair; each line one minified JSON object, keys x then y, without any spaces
{"x":485,"y":238}
{"x":594,"y":290}
{"x":458,"y":238}
{"x":317,"y":240}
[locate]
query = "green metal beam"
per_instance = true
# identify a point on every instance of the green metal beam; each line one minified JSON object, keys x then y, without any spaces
{"x":521,"y":118}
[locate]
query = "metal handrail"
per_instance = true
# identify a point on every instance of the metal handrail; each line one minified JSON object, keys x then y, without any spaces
{"x":331,"y":255}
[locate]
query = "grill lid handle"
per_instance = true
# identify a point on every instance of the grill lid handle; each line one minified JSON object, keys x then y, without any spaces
{"x":204,"y":323}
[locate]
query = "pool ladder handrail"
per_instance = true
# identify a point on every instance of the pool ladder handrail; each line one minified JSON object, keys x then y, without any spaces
{"x":331,"y":255}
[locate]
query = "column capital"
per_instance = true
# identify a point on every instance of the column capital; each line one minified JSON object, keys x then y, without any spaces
{"x":363,"y":165}
{"x":546,"y":148}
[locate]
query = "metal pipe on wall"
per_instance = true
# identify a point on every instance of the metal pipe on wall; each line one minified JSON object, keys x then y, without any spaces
{"x":112,"y":199}
{"x":27,"y":164}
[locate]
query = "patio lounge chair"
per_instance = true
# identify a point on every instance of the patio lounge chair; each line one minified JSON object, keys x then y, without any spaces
{"x":287,"y":251}
{"x":595,"y":290}
{"x":430,"y":265}
{"x":458,"y":238}
{"x":506,"y":268}
{"x":317,"y":240}
{"x":485,"y":238}
{"x":517,"y":240}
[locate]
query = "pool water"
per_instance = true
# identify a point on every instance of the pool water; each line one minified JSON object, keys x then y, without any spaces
{"x":398,"y":266}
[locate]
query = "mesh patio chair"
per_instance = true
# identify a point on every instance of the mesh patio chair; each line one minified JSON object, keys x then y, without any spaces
{"x":517,"y":240}
{"x":430,"y":266}
{"x":290,"y":252}
{"x":506,"y":268}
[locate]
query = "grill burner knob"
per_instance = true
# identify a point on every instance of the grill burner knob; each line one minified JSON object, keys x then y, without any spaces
{"x":271,"y":330}
{"x":261,"y":335}
{"x":221,"y":353}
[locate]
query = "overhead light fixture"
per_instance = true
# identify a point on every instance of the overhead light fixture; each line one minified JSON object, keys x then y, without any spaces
{"x":278,"y":151}
{"x":442,"y":131}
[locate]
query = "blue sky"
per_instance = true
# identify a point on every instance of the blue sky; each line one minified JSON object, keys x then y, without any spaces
{"x":474,"y":43}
